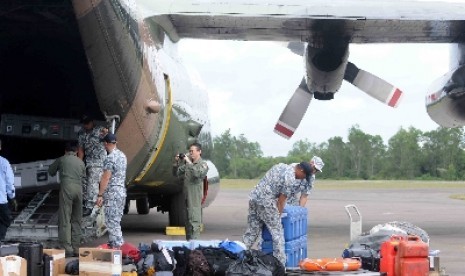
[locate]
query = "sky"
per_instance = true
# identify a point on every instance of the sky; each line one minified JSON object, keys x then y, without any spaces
{"x":249,"y":84}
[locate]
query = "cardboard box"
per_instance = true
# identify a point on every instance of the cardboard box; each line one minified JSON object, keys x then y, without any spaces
{"x":57,"y":266}
{"x":99,"y":262}
{"x":13,"y":266}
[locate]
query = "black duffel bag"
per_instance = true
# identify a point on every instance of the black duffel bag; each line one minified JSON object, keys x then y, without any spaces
{"x":254,"y":262}
{"x":219,"y":259}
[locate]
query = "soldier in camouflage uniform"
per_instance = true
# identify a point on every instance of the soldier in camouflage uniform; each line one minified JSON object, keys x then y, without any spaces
{"x":72,"y":171}
{"x":112,"y":191}
{"x":316,"y":164}
{"x":267,"y":202}
{"x":93,"y":153}
{"x":193,"y":170}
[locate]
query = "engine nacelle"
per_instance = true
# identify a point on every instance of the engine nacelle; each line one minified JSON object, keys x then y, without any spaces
{"x":325,"y":70}
{"x":445,"y":100}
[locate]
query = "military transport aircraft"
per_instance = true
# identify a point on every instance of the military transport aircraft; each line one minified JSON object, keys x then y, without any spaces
{"x":118,"y":58}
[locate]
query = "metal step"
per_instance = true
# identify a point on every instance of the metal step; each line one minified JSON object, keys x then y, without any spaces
{"x":38,"y":221}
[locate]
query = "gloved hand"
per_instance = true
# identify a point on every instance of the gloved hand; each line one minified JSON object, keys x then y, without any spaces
{"x":13,"y":204}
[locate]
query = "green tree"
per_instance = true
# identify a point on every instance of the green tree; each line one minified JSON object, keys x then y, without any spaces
{"x":359,"y":146}
{"x":223,"y":152}
{"x":443,"y":152}
{"x":375,"y":156}
{"x":233,"y":155}
{"x":404,"y":154}
{"x":301,"y":150}
{"x":336,"y":158}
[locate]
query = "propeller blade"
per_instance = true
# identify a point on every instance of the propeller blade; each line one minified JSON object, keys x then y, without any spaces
{"x":294,"y":111}
{"x":373,"y":85}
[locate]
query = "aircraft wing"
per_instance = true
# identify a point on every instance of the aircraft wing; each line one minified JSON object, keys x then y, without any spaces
{"x":358,"y":21}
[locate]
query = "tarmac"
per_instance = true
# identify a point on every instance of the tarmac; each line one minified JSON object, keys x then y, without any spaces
{"x":328,"y":223}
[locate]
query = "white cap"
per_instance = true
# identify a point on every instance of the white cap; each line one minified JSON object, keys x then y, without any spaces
{"x":318,"y":163}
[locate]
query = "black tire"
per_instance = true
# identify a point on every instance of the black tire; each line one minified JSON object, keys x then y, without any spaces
{"x":142,"y":206}
{"x":127,"y":206}
{"x":177,"y":213}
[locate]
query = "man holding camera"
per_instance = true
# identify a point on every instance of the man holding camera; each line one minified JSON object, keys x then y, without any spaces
{"x":194,"y":170}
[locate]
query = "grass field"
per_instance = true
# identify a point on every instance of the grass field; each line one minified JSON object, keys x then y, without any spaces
{"x":353,"y":184}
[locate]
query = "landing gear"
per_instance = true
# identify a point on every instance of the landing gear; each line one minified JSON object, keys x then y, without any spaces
{"x":142,"y":205}
{"x":177,"y":212}
{"x":127,"y":206}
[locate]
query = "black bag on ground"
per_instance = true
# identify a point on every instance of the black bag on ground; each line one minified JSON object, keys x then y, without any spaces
{"x":72,"y":267}
{"x":254,"y":262}
{"x":218,"y":259}
{"x":198,"y":264}
{"x":370,"y":259}
{"x":181,"y":254}
{"x":163,"y":258}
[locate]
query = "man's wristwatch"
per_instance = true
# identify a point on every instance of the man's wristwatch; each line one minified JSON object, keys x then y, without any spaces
{"x":100,"y":196}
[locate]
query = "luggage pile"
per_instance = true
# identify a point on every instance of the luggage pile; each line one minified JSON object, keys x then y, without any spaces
{"x":161,"y":258}
{"x":198,"y":258}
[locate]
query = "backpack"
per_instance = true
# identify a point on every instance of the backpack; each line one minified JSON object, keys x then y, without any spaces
{"x":128,"y":250}
{"x":198,"y":264}
{"x":218,"y":259}
{"x":163,"y":258}
{"x":72,"y":267}
{"x":145,"y":266}
{"x":181,"y":254}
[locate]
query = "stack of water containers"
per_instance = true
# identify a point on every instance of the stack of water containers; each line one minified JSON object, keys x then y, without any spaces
{"x":294,"y":222}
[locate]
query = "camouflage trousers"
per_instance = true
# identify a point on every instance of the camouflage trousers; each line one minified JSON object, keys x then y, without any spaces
{"x":114,"y":200}
{"x":90,"y":186}
{"x":268,"y":215}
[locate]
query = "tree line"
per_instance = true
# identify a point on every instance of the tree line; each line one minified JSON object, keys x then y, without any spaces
{"x":408,"y":154}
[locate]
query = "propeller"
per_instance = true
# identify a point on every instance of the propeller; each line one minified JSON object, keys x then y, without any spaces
{"x":373,"y":85}
{"x":297,"y":106}
{"x":294,"y":111}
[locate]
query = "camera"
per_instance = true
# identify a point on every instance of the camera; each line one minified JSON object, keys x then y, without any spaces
{"x":181,"y":156}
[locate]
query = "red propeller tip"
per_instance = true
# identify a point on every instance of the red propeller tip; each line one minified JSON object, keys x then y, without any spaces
{"x":284,"y":131}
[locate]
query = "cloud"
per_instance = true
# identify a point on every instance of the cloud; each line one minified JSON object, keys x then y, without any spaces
{"x":249,"y":84}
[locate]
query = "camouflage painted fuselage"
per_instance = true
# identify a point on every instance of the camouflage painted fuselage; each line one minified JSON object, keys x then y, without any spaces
{"x":133,"y":65}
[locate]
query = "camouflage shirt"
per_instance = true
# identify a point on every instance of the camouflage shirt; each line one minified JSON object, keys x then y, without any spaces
{"x":94,"y":151}
{"x":193,"y":173}
{"x":280,"y":179}
{"x":303,"y":188}
{"x":116,"y":163}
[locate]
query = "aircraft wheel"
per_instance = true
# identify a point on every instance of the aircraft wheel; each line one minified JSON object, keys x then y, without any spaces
{"x":127,"y":206}
{"x":142,"y":206}
{"x":177,"y":213}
